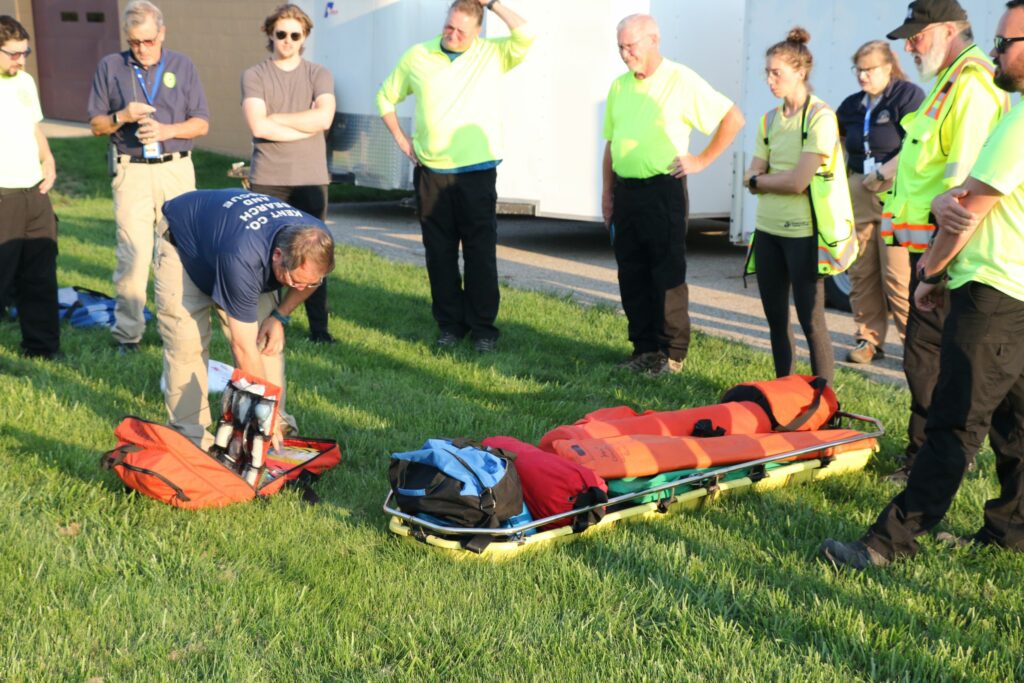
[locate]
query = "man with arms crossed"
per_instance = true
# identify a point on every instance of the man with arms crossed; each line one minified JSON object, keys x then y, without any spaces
{"x":648,"y":118}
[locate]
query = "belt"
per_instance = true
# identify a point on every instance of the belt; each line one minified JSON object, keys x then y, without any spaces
{"x":155,"y":160}
{"x":643,"y":182}
{"x":4,"y":191}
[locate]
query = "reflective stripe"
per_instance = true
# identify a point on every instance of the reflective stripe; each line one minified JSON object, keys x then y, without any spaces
{"x":885,"y":228}
{"x":830,"y":265}
{"x":937,"y":105}
{"x":913,"y":237}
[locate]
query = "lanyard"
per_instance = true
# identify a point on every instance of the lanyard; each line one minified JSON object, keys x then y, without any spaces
{"x":156,"y":81}
{"x":867,"y":125}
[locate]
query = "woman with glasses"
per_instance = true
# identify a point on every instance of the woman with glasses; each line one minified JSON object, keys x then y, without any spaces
{"x":869,"y":123}
{"x":793,"y":142}
{"x":288,"y":104}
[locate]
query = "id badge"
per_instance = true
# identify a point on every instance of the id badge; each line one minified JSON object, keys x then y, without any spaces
{"x":153,"y":150}
{"x":870,"y":165}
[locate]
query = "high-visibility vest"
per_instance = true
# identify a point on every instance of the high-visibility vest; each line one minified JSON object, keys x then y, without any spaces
{"x":926,"y":169}
{"x":829,"y":198}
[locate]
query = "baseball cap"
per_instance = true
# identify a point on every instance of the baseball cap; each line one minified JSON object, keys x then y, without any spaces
{"x":921,"y":13}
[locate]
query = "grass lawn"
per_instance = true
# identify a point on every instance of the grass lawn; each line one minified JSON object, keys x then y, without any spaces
{"x":102,"y":585}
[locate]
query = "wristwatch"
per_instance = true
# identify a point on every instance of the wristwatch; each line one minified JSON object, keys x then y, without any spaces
{"x":280,"y":317}
{"x":934,"y":279}
{"x":114,"y":116}
{"x":752,"y":183}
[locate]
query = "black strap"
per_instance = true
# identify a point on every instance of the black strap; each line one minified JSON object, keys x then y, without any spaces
{"x":706,"y":428}
{"x":665,"y":503}
{"x":757,"y":473}
{"x":477,"y":544}
{"x":818,"y":384}
{"x":116,"y":456}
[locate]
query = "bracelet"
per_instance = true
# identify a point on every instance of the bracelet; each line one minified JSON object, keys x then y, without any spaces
{"x":878,"y":174}
{"x":280,"y":317}
{"x":491,"y":5}
{"x":934,"y":279}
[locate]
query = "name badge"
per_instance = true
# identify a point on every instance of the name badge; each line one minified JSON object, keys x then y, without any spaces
{"x":870,"y":165}
{"x":153,"y":150}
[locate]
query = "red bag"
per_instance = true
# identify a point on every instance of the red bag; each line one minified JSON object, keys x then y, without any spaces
{"x":795,"y":403}
{"x":159,"y":462}
{"x":553,"y":485}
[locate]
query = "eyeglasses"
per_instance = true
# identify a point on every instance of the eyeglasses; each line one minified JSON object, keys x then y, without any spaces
{"x":1001,"y":43}
{"x":916,"y":38}
{"x":151,"y":42}
{"x":17,"y":55}
{"x":295,"y":284}
{"x":294,"y":35}
{"x":857,"y":71}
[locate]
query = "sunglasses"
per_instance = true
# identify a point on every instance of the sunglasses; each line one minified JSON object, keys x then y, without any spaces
{"x":151,"y":42}
{"x":17,"y":55}
{"x":1001,"y":44}
{"x":294,"y":35}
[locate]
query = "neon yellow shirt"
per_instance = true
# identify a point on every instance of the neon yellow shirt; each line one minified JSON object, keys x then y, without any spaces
{"x":458,"y":116}
{"x":19,"y":115}
{"x":648,"y":121}
{"x":995,"y":253}
{"x":789,"y":215}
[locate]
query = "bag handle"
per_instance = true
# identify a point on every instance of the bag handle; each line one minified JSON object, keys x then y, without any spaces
{"x":116,"y":456}
{"x":818,"y":384}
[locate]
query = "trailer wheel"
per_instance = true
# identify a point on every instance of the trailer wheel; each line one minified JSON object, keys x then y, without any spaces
{"x":837,"y":292}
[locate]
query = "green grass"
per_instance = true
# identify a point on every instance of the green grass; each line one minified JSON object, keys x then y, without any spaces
{"x":105,"y":585}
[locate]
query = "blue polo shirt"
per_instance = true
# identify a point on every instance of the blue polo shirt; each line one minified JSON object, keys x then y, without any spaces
{"x":885,"y":134}
{"x":225,"y":239}
{"x":178,"y":96}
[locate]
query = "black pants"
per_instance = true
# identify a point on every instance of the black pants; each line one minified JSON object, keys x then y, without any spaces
{"x":980,"y":388}
{"x":454,"y":209}
{"x":650,"y":219}
{"x":28,"y":264}
{"x":313,"y":200}
{"x":792,"y":262}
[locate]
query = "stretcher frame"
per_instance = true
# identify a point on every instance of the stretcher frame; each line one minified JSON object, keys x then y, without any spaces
{"x":705,"y":486}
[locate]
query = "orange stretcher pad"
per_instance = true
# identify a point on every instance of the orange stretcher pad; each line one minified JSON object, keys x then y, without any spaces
{"x":645,"y":455}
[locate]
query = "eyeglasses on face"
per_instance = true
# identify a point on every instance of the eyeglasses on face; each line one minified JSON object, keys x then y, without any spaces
{"x":1001,"y":43}
{"x":917,"y":37}
{"x":867,"y":71}
{"x":294,"y":35}
{"x":150,"y":42}
{"x":296,"y":284}
{"x":17,"y":55}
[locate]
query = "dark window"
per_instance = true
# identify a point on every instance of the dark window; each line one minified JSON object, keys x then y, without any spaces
{"x":69,"y":16}
{"x":95,"y":17}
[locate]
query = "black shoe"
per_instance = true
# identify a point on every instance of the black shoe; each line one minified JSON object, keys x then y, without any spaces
{"x":854,"y":555}
{"x":54,"y":356}
{"x":323,"y":337}
{"x":900,"y":476}
{"x":124,"y":348}
{"x":486,"y":345}
{"x":448,"y":340}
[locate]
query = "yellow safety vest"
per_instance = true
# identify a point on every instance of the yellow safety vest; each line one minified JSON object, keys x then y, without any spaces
{"x":926,"y":168}
{"x":831,"y":208}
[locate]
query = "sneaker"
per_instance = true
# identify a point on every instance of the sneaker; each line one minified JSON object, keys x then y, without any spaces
{"x":124,"y":348}
{"x":486,"y":345}
{"x":865,"y":352}
{"x":323,"y":337}
{"x":640,"y":362}
{"x":665,"y":366}
{"x":854,"y":555}
{"x":447,"y":340}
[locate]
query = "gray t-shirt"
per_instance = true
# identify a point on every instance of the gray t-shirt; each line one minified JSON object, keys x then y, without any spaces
{"x":301,"y":162}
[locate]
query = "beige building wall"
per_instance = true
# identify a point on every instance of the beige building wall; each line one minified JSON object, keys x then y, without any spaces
{"x":22,"y":11}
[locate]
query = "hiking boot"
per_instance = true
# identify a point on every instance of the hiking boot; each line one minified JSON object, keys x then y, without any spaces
{"x":640,"y":362}
{"x":865,"y":352}
{"x":124,"y":348}
{"x":665,"y":366}
{"x":448,"y":340}
{"x":486,"y":345}
{"x":854,"y":555}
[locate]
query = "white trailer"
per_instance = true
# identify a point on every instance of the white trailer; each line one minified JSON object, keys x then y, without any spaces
{"x":554,"y":101}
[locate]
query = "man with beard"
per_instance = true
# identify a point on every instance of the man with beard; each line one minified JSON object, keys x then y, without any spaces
{"x":978,"y":254}
{"x":942,"y":142}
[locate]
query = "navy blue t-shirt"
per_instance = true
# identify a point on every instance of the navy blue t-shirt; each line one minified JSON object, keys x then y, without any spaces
{"x":885,"y":134}
{"x":225,"y":239}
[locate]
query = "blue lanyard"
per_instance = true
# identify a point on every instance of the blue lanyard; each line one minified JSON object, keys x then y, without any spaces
{"x":867,"y":125}
{"x":156,"y":84}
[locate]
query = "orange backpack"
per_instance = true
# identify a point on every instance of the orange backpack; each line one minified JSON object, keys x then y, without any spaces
{"x":159,"y":462}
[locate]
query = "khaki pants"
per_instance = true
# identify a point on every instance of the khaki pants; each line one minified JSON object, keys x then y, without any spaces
{"x":183,"y":319}
{"x":880,"y":277}
{"x":140,"y":191}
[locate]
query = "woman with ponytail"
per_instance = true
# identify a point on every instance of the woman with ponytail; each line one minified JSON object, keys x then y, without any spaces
{"x":785,"y":246}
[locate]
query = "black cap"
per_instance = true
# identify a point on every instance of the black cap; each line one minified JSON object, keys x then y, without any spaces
{"x":921,"y":13}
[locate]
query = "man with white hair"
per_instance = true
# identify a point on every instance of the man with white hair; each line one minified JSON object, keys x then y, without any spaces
{"x":150,"y":102}
{"x":649,"y":114}
{"x":944,"y":137}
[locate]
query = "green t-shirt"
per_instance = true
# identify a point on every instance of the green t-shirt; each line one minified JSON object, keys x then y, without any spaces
{"x":995,"y":253}
{"x":458,"y":103}
{"x":648,"y":121}
{"x":19,"y":114}
{"x":789,"y":215}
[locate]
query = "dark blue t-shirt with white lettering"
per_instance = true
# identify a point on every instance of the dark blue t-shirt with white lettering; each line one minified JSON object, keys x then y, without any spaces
{"x":225,"y":239}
